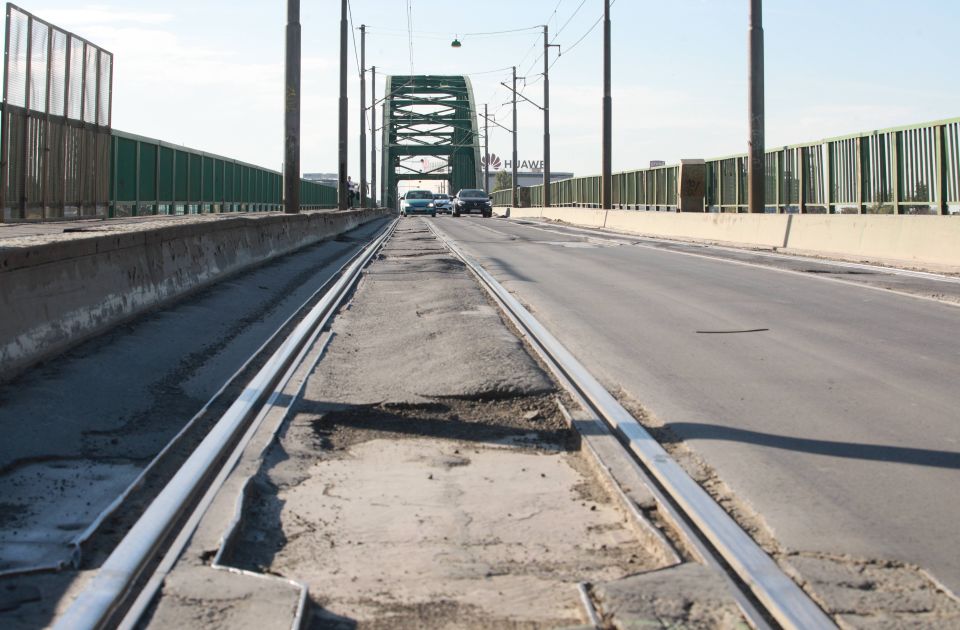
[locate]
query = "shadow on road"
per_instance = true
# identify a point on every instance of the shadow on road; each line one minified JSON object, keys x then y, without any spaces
{"x":849,"y":450}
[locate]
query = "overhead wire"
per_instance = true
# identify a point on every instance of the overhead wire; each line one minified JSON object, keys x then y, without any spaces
{"x":356,"y":57}
{"x":410,"y":32}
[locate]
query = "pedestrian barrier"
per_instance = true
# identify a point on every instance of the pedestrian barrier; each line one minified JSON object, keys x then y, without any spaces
{"x":150,"y":176}
{"x":904,"y":170}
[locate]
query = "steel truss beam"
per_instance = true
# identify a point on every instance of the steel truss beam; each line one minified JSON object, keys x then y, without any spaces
{"x":431,"y":116}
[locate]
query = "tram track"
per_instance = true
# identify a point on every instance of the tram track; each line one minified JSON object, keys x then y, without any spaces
{"x":107,"y":599}
{"x":765,"y":594}
{"x":126,"y":584}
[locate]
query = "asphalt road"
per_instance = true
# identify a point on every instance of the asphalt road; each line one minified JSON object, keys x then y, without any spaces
{"x":836,"y":418}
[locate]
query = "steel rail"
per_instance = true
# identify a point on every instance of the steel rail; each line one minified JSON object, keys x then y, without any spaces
{"x":781,"y":597}
{"x":104,"y":597}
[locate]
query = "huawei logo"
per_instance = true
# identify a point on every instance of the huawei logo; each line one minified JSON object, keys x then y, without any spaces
{"x":492,"y":161}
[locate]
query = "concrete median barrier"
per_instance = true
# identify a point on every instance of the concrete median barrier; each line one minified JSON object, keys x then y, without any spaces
{"x":931,"y":242}
{"x":57,"y":290}
{"x":927,"y":242}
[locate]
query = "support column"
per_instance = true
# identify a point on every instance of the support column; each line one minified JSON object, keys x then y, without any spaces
{"x":373,"y":134}
{"x":513,"y":163}
{"x":756,"y":189}
{"x":607,"y":157}
{"x":343,"y":195}
{"x":546,"y":117}
{"x":486,"y":151}
{"x":291,"y":114}
{"x":363,"y":104}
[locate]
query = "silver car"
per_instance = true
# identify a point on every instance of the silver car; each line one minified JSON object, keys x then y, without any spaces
{"x":442,"y":203}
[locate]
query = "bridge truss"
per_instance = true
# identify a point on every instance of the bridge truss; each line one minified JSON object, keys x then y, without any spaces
{"x":429,"y":132}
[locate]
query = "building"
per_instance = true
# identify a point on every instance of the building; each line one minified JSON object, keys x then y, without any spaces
{"x":530,"y":178}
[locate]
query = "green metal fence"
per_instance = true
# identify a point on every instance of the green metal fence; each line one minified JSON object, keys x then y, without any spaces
{"x":148,"y":176}
{"x":904,"y":170}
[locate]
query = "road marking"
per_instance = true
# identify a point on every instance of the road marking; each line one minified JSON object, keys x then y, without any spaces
{"x":777,"y":256}
{"x":795,"y":272}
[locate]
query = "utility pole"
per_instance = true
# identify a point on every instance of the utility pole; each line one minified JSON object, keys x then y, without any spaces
{"x":291,"y":112}
{"x":343,"y":195}
{"x":513,"y":174}
{"x":607,"y":157}
{"x":486,"y":151}
{"x":373,"y":134}
{"x":363,"y":104}
{"x":546,"y":117}
{"x":756,"y":182}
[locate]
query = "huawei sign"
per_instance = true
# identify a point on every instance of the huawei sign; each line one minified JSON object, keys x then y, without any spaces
{"x":492,"y":161}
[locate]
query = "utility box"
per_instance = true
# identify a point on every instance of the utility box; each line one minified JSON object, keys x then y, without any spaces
{"x":691,"y":186}
{"x":523,"y":196}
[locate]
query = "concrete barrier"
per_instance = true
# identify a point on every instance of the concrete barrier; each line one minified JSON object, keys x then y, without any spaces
{"x":58,"y":290}
{"x":931,"y":242}
{"x":927,"y":242}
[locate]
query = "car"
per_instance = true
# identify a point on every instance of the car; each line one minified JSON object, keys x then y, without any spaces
{"x":441,"y":201}
{"x":472,"y":201}
{"x":417,"y":202}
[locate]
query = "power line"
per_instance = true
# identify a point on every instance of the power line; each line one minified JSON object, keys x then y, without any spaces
{"x":512,"y":30}
{"x":356,"y":57}
{"x":572,"y":15}
{"x":410,"y":32}
{"x":590,"y":30}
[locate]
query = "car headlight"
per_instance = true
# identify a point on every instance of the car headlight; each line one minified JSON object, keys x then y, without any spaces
{"x":430,"y":205}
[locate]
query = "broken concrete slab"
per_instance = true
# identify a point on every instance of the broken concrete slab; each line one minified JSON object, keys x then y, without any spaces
{"x":688,"y":595}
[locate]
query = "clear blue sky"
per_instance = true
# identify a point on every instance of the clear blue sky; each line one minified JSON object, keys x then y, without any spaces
{"x":209,"y":74}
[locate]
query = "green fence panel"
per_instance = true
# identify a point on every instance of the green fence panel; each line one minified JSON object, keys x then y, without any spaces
{"x":125,"y":186}
{"x":180,"y":175}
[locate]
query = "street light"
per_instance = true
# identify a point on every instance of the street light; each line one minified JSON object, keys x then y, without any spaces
{"x":455,"y":43}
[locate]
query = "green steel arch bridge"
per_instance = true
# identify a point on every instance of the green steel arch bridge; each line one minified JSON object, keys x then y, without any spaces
{"x":429,"y":117}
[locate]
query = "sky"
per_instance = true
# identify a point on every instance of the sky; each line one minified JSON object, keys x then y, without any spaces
{"x":208,"y":74}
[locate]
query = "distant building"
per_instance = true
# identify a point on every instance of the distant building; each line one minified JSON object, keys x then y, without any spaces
{"x":327,"y":179}
{"x":530,"y":178}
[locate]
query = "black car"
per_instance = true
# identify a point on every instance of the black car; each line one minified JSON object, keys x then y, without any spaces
{"x":472,"y":200}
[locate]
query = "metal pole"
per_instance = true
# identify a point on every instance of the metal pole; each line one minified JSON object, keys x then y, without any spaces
{"x":513,"y":163}
{"x":607,"y":159}
{"x":291,"y":114}
{"x":4,"y":125}
{"x":486,"y":151}
{"x":755,"y":146}
{"x":343,"y":195}
{"x":546,"y":118}
{"x":373,"y":134}
{"x":363,"y":104}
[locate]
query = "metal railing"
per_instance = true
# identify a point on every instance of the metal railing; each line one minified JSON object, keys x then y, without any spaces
{"x":55,"y":124}
{"x":905,"y":170}
{"x":150,"y":176}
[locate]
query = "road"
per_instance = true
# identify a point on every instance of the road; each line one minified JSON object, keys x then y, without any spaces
{"x":835,"y":417}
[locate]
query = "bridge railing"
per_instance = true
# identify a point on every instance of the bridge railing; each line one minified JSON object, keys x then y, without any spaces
{"x":149,"y":176}
{"x":905,"y":170}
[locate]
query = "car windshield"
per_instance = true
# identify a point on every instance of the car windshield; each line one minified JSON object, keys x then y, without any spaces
{"x":441,"y":197}
{"x":473,"y":194}
{"x":419,"y":194}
